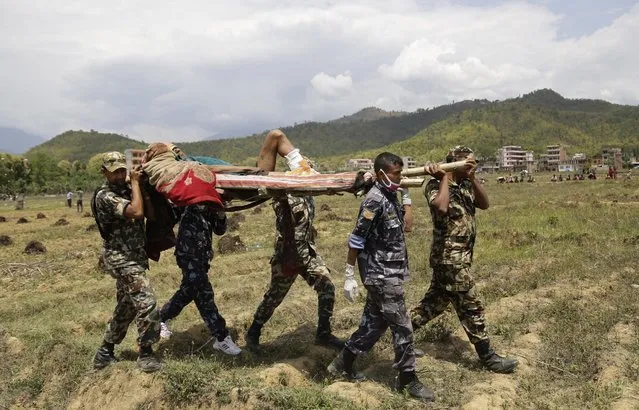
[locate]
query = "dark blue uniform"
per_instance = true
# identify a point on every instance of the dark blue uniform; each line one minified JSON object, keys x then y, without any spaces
{"x":383,"y":266}
{"x":193,"y":253}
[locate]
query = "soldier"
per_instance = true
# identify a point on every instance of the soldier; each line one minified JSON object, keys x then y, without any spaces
{"x":377,"y":243}
{"x":295,"y":254}
{"x":119,"y":212}
{"x":80,"y":193}
{"x":453,"y":197}
{"x":193,"y":253}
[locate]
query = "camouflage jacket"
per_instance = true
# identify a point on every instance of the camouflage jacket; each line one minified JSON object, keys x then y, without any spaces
{"x":379,"y":235}
{"x":295,"y":240}
{"x":453,"y":233}
{"x":195,"y":234}
{"x":125,"y":239}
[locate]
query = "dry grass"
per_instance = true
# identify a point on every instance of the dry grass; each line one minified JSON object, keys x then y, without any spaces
{"x":555,"y":265}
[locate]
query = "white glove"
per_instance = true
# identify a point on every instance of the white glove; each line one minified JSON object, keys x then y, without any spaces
{"x":350,"y":284}
{"x":405,"y":196}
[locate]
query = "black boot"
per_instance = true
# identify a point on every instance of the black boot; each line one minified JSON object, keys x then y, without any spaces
{"x":104,"y":356}
{"x":343,"y":366}
{"x":408,"y":381}
{"x":325,"y":337}
{"x":147,"y":361}
{"x":492,"y":361}
{"x":252,"y":337}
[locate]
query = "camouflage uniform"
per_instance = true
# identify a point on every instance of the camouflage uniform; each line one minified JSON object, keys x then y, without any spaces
{"x":451,"y":257}
{"x":295,"y":253}
{"x":193,"y":253}
{"x":383,"y":267}
{"x":125,"y":259}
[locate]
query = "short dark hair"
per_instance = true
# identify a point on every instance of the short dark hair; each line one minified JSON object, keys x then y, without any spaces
{"x":385,"y":160}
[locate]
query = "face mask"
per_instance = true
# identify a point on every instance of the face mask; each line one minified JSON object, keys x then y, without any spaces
{"x":390,"y":185}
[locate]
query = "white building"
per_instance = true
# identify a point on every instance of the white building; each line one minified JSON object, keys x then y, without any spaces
{"x":409,"y":162}
{"x":360,"y":163}
{"x":512,"y":156}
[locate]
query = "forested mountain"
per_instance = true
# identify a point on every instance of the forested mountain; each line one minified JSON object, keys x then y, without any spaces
{"x":82,"y":145}
{"x":16,"y":141}
{"x":333,"y":138}
{"x":532,"y":121}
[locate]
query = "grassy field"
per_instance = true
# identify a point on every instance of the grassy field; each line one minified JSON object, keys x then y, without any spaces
{"x":556,"y":265}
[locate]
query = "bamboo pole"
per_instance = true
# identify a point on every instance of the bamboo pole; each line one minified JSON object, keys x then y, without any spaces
{"x":411,"y":182}
{"x":448,"y":167}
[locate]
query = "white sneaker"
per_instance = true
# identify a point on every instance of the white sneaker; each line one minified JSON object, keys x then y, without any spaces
{"x":227,"y":346}
{"x":165,"y":333}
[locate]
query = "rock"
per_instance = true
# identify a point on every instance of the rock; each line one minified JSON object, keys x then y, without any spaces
{"x":634,"y":286}
{"x":5,"y":240}
{"x":61,"y":222}
{"x":230,"y":244}
{"x":23,"y":220}
{"x":40,"y":216}
{"x":34,"y":247}
{"x":14,"y":345}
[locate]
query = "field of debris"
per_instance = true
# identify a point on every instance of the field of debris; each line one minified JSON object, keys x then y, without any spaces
{"x":555,"y":263}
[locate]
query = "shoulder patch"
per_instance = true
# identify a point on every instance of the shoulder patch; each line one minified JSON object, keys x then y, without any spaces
{"x":368,"y":214}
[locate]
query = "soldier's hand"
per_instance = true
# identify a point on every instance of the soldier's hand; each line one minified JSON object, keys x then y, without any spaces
{"x":351,"y":290}
{"x":435,"y":170}
{"x":135,"y":174}
{"x":471,"y":166}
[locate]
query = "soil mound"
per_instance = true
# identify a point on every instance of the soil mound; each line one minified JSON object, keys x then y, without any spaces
{"x":233,"y":223}
{"x":61,"y":222}
{"x":5,"y":240}
{"x":231,"y":244}
{"x":40,"y":216}
{"x":325,"y":208}
{"x":87,"y":215}
{"x":34,"y":247}
{"x":23,"y":220}
{"x":92,"y":227}
{"x":3,"y":219}
{"x":332,"y":216}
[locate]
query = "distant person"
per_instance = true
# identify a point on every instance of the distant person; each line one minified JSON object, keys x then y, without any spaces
{"x":561,"y":178}
{"x":377,"y":244}
{"x":78,"y":201}
{"x":19,"y":201}
{"x":453,"y":198}
{"x":119,"y":209}
{"x":69,"y":199}
{"x":554,"y":178}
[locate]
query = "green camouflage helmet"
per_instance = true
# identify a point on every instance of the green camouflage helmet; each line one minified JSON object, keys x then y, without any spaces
{"x":112,"y":161}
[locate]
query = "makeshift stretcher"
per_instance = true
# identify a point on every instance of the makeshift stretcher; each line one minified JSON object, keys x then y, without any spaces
{"x":189,"y":182}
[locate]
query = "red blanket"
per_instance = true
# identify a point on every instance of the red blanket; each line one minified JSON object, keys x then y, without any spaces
{"x":182,"y":182}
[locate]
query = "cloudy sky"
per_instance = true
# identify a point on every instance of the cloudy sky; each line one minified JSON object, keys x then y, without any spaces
{"x":192,"y":69}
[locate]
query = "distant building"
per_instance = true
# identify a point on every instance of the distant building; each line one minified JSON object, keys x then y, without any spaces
{"x":359,"y":163}
{"x":409,"y":162}
{"x":612,"y":157}
{"x":556,"y":153}
{"x":514,"y":158}
{"x":133,"y":157}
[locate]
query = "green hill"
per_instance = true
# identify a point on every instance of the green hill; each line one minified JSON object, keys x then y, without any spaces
{"x":335,"y":137}
{"x":532,"y":121}
{"x":82,"y":145}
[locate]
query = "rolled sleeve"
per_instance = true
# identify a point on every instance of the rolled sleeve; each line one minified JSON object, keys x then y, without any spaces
{"x":431,"y":190}
{"x":114,"y":204}
{"x":356,"y":241}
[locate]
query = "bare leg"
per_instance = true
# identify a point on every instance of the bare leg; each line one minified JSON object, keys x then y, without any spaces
{"x":275,"y":143}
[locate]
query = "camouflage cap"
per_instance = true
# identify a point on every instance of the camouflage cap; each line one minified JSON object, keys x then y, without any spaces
{"x":112,"y":161}
{"x":461,"y":150}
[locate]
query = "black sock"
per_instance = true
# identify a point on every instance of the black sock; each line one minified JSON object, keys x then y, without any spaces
{"x":109,"y":346}
{"x":146,"y":350}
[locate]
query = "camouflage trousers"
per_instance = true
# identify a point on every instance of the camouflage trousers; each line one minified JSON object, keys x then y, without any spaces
{"x":136,"y":300}
{"x":384,"y":308}
{"x":196,"y":287}
{"x":451,"y":285}
{"x":316,"y":274}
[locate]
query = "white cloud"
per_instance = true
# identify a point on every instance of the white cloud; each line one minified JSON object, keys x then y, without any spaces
{"x":198,"y":68}
{"x":331,"y":87}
